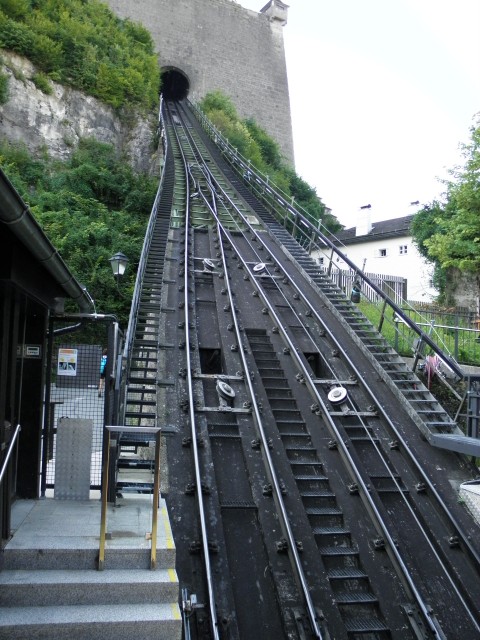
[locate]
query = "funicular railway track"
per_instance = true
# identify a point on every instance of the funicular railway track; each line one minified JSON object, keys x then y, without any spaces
{"x":304,"y":501}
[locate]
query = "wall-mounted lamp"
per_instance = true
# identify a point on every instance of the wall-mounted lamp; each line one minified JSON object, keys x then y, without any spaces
{"x":119,"y":264}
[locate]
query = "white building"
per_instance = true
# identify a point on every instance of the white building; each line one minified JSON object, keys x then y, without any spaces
{"x":386,"y":248}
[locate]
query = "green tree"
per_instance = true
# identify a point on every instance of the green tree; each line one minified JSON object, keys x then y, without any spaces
{"x":448,"y":233}
{"x":17,"y":9}
{"x":90,"y":207}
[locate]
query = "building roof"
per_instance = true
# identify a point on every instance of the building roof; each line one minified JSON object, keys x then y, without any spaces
{"x":17,"y":218}
{"x":395,"y":228}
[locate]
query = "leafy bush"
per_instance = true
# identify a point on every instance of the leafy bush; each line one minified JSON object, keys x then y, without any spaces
{"x":3,"y":88}
{"x":42,"y":82}
{"x":264,"y":153}
{"x":90,"y":207}
{"x":447,"y":232}
{"x":81,"y":43}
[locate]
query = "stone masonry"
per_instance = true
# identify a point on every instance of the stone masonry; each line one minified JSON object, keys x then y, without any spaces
{"x":217,"y":44}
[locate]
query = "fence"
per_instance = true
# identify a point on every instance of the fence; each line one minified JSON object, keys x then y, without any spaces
{"x":454,"y":330}
{"x":73,"y":390}
{"x":393,"y":286}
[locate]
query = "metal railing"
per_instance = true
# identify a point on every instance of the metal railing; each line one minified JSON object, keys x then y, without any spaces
{"x":156,"y":490}
{"x":9,"y":453}
{"x":307,"y":232}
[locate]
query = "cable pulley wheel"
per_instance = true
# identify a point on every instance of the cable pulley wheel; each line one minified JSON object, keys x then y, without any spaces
{"x":225,"y":390}
{"x":208,"y":264}
{"x":337,"y":395}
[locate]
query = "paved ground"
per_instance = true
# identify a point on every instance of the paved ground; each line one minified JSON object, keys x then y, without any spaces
{"x":50,"y":523}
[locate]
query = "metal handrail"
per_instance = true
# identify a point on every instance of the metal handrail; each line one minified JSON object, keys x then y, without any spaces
{"x":9,"y":452}
{"x":276,"y":199}
{"x":146,"y":245}
{"x":156,"y":491}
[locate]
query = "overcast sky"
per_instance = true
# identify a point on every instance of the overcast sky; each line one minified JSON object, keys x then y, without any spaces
{"x":382,"y":93}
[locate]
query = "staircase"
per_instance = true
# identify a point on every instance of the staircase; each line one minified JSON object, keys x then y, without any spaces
{"x":135,"y":471}
{"x":51,"y":589}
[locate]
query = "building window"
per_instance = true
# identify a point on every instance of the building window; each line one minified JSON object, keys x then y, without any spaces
{"x":382,"y":253}
{"x":320,"y":261}
{"x":403,"y":249}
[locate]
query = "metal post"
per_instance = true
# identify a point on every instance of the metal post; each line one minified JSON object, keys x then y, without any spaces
{"x":330,"y":262}
{"x":417,"y":354}
{"x":382,"y":316}
{"x":103,"y":518}
{"x":47,"y":411}
{"x":156,"y":496}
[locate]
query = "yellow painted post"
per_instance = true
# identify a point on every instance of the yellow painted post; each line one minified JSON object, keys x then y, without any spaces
{"x":103,"y":517}
{"x":156,"y":495}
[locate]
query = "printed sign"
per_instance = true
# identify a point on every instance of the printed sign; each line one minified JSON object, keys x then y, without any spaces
{"x":67,"y":362}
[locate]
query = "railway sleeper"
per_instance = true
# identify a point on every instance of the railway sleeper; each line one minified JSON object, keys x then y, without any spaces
{"x":388,"y":484}
{"x":291,"y":425}
{"x":315,"y":505}
{"x":302,"y":455}
{"x":270,"y":373}
{"x":275,"y":383}
{"x":366,"y":625}
{"x":312,"y":485}
{"x":280,"y":393}
{"x":283,"y":404}
{"x":332,"y":536}
{"x":288,"y":415}
{"x":294,"y":441}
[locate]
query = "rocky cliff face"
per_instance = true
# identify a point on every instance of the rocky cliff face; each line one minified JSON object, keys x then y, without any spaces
{"x":56,"y":122}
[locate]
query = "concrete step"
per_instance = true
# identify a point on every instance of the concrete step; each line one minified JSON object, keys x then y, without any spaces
{"x":49,"y":585}
{"x":115,"y":558}
{"x":49,"y":588}
{"x":57,"y":534}
{"x":95,"y":622}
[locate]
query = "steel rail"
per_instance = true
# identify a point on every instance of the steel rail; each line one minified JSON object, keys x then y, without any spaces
{"x":397,"y":560}
{"x":236,"y":160}
{"x":366,"y":388}
{"x":284,"y":520}
{"x":395,"y":556}
{"x":393,"y":551}
{"x":191,"y":411}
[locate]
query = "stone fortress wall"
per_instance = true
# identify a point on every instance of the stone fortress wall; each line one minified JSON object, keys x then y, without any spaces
{"x":217,"y":44}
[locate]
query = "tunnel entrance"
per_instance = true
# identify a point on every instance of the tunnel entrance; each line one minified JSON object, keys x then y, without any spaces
{"x":175,"y":84}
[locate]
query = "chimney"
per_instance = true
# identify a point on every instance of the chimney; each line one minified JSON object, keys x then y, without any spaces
{"x":364,"y":224}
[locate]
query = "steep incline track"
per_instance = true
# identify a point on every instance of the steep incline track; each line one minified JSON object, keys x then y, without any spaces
{"x":304,"y":499}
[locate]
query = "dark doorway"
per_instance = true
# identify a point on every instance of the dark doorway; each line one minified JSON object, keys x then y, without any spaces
{"x":175,"y":85}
